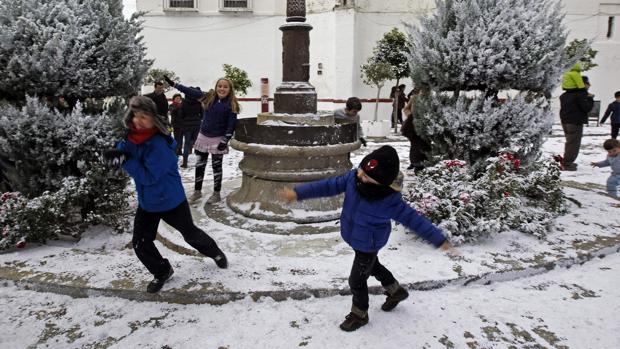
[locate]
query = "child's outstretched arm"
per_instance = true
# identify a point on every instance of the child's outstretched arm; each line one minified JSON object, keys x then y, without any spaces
{"x":321,"y":188}
{"x":188,"y":91}
{"x":603,"y":163}
{"x":410,"y":218}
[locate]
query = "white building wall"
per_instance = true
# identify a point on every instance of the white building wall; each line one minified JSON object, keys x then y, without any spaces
{"x":195,"y":44}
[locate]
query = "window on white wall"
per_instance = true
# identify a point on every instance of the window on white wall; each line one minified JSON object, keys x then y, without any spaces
{"x":610,"y":27}
{"x":236,"y":5}
{"x":181,"y":4}
{"x":345,"y":3}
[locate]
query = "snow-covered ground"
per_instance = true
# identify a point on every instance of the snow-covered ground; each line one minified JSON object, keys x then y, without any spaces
{"x":576,"y":308}
{"x":568,"y":308}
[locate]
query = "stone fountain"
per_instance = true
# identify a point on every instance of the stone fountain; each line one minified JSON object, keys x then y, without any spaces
{"x":294,"y":144}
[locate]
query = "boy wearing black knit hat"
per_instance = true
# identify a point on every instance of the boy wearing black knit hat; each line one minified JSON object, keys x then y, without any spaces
{"x":372,"y":199}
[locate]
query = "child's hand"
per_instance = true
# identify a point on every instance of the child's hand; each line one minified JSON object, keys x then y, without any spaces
{"x":449,"y":249}
{"x":594,"y":164}
{"x":288,"y":195}
{"x":169,"y":81}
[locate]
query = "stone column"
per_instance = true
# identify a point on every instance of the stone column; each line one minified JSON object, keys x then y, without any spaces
{"x":295,"y":95}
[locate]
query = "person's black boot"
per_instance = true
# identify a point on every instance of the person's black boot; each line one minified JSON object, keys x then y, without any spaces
{"x":353,"y":321}
{"x":221,"y":260}
{"x":184,"y":163}
{"x":393,"y":299}
{"x":157,"y":283}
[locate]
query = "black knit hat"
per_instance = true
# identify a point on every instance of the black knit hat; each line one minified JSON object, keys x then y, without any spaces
{"x":382,"y":165}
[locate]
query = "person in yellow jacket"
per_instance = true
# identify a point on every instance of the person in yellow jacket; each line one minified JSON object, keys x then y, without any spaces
{"x":572,"y":80}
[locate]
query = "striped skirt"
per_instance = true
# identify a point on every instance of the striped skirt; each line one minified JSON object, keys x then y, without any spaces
{"x":209,"y":144}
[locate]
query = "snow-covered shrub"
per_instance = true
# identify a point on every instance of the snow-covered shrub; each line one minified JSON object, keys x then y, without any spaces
{"x":473,"y":45}
{"x":504,"y":196}
{"x":489,"y":45}
{"x":76,"y":55}
{"x":53,"y":160}
{"x":71,"y":48}
{"x":44,"y":146}
{"x":67,"y":211}
{"x":486,"y":69}
{"x":474,"y":128}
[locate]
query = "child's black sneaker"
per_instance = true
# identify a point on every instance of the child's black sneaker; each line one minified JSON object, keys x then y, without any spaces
{"x":392,"y":300}
{"x":353,"y":321}
{"x":157,"y":283}
{"x":221,"y":260}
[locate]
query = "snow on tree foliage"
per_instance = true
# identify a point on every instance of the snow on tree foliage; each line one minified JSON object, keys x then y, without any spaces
{"x":59,"y":183}
{"x":50,"y":167}
{"x":463,"y":57}
{"x":489,"y":45}
{"x":473,"y":129}
{"x":74,"y":48}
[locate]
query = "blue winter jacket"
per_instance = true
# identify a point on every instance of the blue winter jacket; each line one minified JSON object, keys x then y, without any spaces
{"x":366,"y":225}
{"x":613,"y":109}
{"x":218,"y":120}
{"x":614,"y":162}
{"x":153,"y":167}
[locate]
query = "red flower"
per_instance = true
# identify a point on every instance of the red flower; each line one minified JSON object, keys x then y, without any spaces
{"x":5,"y":196}
{"x":506,"y":194}
{"x":21,"y":244}
{"x":454,"y":163}
{"x":507,"y":156}
{"x":516,"y":164}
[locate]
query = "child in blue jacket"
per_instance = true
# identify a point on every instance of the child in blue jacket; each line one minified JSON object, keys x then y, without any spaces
{"x":149,"y":157}
{"x":216,"y":130}
{"x":371,"y":200}
{"x":613,"y":110}
{"x":613,"y":160}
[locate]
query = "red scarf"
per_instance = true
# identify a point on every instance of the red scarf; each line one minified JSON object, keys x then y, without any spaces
{"x":139,"y":136}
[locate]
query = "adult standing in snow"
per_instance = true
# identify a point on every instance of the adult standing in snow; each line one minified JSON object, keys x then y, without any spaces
{"x":191,"y":117}
{"x":175,"y":120}
{"x":574,"y":108}
{"x":399,"y":99}
{"x":159,"y":98}
{"x":216,"y":130}
{"x":147,"y":154}
{"x":371,"y":200}
{"x":417,"y":144}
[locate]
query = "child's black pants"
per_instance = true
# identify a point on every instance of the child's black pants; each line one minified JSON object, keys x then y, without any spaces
{"x":366,"y":264}
{"x":180,"y":218}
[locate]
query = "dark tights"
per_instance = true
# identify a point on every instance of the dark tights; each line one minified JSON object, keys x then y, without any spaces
{"x":201,"y":164}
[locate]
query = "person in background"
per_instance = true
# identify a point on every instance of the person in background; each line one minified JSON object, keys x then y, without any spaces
{"x":147,"y":155}
{"x":572,"y":79}
{"x":191,"y":117}
{"x":351,"y":112}
{"x":159,"y":98}
{"x":372,"y":199}
{"x":175,"y":120}
{"x":574,"y":108}
{"x":417,"y":144}
{"x":613,"y":110}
